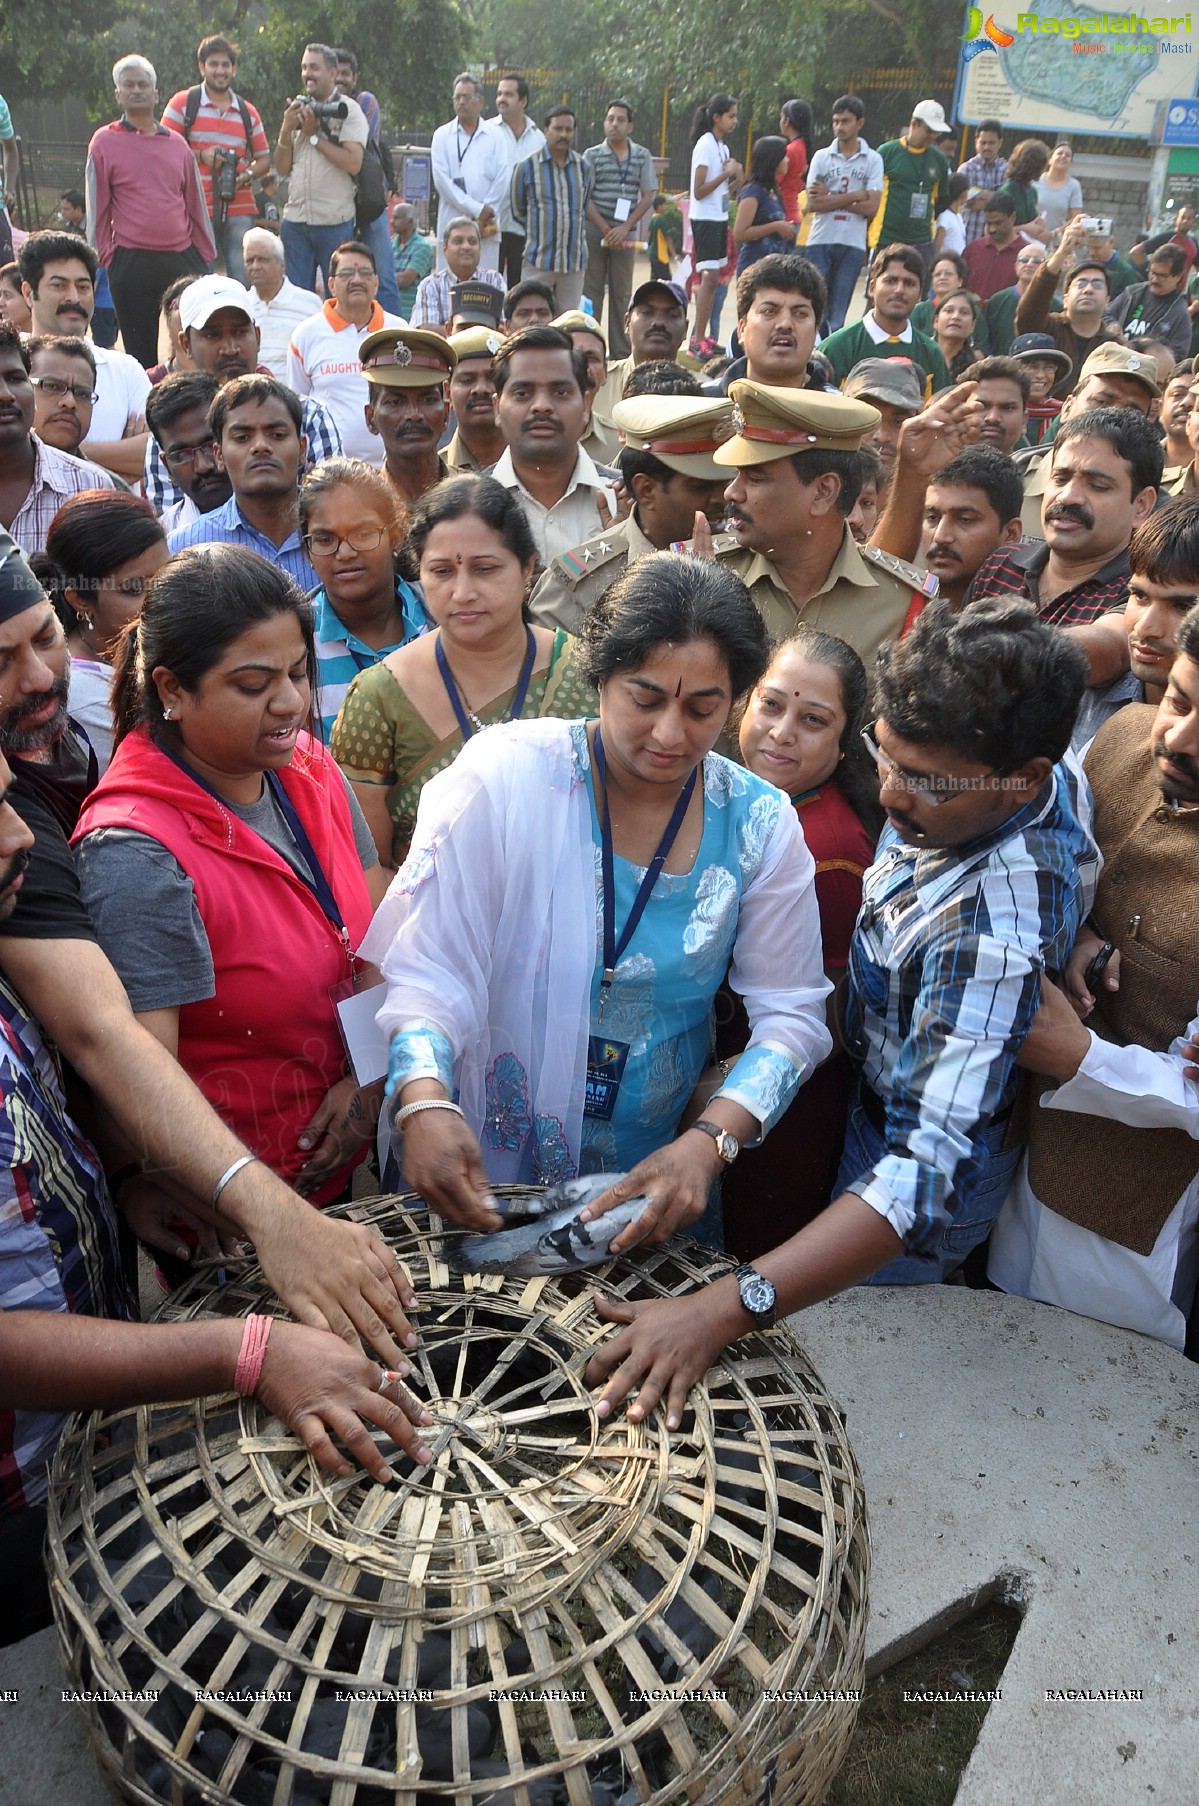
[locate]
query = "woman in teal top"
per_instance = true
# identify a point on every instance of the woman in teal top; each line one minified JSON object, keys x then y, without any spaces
{"x":571,"y":901}
{"x":1025,"y":165}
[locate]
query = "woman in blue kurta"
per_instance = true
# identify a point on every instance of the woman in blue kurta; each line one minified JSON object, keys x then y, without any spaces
{"x":572,"y":897}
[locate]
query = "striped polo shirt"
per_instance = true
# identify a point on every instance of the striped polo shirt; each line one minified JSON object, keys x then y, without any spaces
{"x":619,"y":178}
{"x":341,"y":655}
{"x":214,"y":127}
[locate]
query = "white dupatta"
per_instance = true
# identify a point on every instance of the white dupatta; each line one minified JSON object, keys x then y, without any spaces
{"x":487,"y":935}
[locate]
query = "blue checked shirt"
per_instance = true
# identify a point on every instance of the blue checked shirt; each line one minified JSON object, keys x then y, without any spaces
{"x":318,"y":427}
{"x":340,"y":655}
{"x":227,"y":526}
{"x":549,"y":205}
{"x":979,"y":175}
{"x":945,"y":977}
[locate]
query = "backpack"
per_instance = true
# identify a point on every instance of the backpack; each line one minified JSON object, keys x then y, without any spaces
{"x":370,"y":187}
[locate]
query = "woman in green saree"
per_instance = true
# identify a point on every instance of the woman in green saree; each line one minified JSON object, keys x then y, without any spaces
{"x":408,"y":717}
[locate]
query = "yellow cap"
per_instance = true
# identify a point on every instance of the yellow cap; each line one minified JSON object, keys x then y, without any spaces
{"x":682,"y":431}
{"x":776,"y":423}
{"x":406,"y":357}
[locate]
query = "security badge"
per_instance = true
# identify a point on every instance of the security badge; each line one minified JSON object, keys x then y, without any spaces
{"x":606,"y":1062}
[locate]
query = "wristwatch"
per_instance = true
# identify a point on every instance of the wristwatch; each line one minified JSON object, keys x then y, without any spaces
{"x":757,"y":1295}
{"x":727,"y":1145}
{"x":315,"y":138}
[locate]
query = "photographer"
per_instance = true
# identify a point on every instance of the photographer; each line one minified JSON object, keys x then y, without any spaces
{"x":229,"y":144}
{"x":321,"y":144}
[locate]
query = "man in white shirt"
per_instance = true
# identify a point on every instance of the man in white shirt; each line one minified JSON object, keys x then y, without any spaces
{"x":540,"y":404}
{"x":470,"y":169}
{"x":845,"y":186}
{"x":58,"y":281}
{"x":323,"y":356}
{"x":1103,"y":1214}
{"x":520,"y":139}
{"x":277,"y":306}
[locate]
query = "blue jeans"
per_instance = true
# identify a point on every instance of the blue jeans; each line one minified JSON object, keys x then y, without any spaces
{"x":228,"y":243}
{"x":378,"y":236}
{"x":307,"y":249}
{"x":840,"y":266}
{"x":972,"y":1218}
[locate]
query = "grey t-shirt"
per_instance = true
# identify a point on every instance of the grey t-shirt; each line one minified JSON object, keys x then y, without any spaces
{"x":130,"y":880}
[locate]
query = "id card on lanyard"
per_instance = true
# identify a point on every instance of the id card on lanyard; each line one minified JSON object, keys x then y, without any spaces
{"x":606,"y":1058}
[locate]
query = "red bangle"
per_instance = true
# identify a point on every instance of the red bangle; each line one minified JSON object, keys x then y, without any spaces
{"x":255,"y":1337}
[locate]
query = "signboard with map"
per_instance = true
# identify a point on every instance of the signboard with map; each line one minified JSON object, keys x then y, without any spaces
{"x":1060,"y":66}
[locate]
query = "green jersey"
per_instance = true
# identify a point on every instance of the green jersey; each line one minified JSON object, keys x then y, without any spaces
{"x":914,"y":189}
{"x":850,"y":344}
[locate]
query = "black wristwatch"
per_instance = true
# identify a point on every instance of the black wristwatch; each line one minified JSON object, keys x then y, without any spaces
{"x":727,"y":1145}
{"x":757,"y":1295}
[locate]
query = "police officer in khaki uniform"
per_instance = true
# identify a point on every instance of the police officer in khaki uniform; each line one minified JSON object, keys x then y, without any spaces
{"x":472,"y":396}
{"x":407,"y":369}
{"x":667,"y":466}
{"x":795,"y":479}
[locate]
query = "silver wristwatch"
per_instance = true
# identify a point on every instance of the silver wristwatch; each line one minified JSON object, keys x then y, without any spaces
{"x":727,"y":1145}
{"x":757,"y":1295}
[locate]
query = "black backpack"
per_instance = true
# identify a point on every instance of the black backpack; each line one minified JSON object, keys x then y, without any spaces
{"x":370,"y":187}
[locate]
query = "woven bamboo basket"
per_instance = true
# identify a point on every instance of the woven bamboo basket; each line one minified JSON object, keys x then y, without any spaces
{"x":560,"y":1611}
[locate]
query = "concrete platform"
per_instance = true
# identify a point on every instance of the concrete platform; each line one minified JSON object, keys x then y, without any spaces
{"x":1016,"y":1451}
{"x":1009,"y":1450}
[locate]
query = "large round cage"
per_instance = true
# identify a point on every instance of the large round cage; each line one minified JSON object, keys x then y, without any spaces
{"x":562,"y":1610}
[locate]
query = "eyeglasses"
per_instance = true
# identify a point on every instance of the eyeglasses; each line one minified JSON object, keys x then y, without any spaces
{"x":54,"y":386}
{"x":187,"y":454}
{"x":324,"y":544}
{"x":931,"y":790}
{"x":344,"y":273}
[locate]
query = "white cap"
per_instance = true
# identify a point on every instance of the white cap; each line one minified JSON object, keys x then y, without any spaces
{"x":207,"y":295}
{"x":930,"y":113}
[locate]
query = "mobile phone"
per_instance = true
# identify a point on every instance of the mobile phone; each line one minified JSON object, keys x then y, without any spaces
{"x":1098,"y":965}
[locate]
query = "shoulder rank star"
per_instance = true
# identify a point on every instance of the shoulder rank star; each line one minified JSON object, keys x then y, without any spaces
{"x":588,"y":554}
{"x":604,"y":548}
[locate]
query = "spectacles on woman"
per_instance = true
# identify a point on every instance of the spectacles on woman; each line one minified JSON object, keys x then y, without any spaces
{"x":323,"y":543}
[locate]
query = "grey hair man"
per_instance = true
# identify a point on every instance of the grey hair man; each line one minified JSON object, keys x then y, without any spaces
{"x":277,"y":305}
{"x":471,"y":169}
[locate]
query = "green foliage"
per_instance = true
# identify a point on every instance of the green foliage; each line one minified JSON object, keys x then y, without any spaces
{"x":409,"y":50}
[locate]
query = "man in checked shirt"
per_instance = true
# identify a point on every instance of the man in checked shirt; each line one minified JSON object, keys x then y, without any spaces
{"x":981,"y":882}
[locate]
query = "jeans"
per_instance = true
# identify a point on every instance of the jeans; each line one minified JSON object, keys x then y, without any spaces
{"x":378,"y":236}
{"x":307,"y":249}
{"x":972,"y":1219}
{"x":840,"y":266}
{"x":228,"y":243}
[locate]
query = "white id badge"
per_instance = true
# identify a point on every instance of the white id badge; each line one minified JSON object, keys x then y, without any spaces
{"x":624,"y":207}
{"x":919,"y":207}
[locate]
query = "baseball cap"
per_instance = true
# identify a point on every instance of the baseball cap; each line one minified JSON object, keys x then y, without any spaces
{"x":476,"y":304}
{"x":1113,"y":359}
{"x":659,"y":287}
{"x":932,"y":114}
{"x":206,"y":296}
{"x":894,"y":380}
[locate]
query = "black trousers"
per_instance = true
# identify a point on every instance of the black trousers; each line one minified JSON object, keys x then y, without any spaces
{"x":137,"y":280}
{"x":24,"y":1588}
{"x":512,"y":251}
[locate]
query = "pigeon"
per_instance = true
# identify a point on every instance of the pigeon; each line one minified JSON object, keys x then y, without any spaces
{"x":555,"y":1241}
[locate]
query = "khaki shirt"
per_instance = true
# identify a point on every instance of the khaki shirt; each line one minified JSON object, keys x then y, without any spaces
{"x":1036,"y":476}
{"x":607,"y":396}
{"x":574,"y":583}
{"x":456,"y":458}
{"x":865,"y":599}
{"x":588,"y":502}
{"x":1179,"y":482}
{"x":318,"y":193}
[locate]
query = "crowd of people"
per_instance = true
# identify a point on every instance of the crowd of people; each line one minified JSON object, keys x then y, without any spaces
{"x":760,"y":773}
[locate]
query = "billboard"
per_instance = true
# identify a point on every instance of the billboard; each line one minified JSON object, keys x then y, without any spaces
{"x":1062,"y":67}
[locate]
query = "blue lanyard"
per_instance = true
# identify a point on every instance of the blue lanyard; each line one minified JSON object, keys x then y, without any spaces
{"x":321,"y":887}
{"x":451,"y":687}
{"x":613,"y":948}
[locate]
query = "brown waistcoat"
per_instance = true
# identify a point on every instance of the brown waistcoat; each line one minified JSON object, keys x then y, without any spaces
{"x":1118,"y":1181}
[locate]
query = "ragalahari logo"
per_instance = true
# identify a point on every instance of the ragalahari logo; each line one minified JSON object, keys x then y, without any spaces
{"x":979,"y":36}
